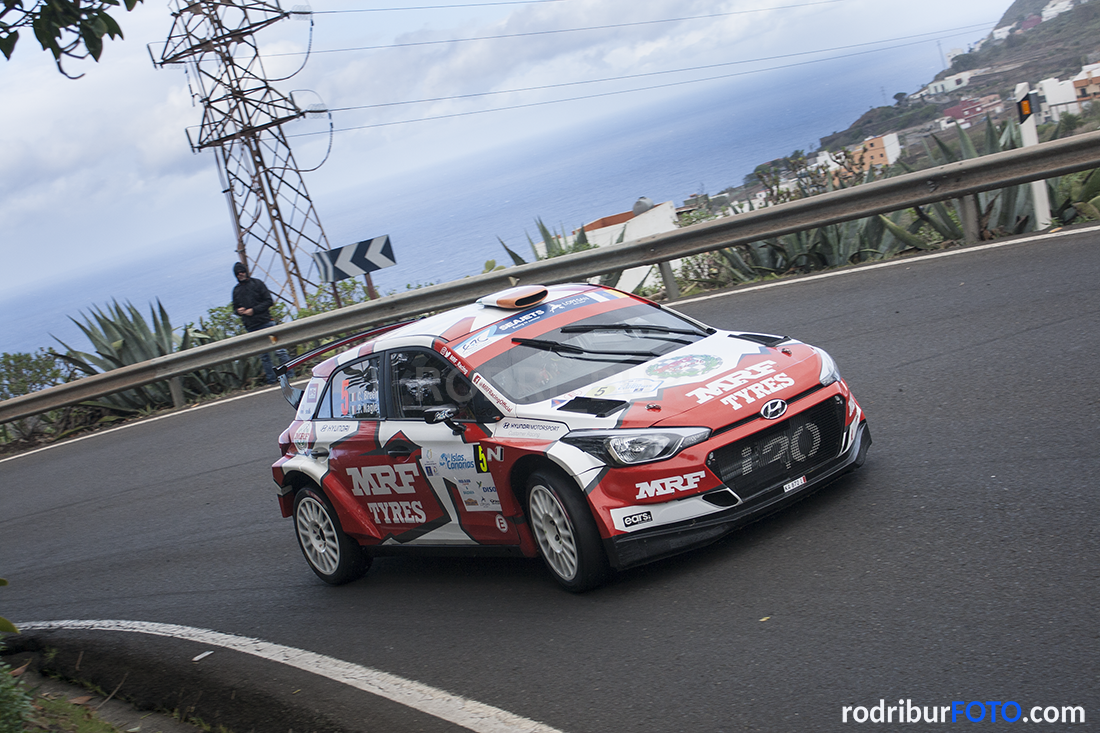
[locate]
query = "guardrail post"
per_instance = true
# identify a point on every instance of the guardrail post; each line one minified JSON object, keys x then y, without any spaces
{"x":672,"y":290}
{"x":968,"y":208}
{"x":175,"y":386}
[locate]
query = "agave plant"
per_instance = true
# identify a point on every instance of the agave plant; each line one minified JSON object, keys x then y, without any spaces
{"x":1076,"y":195}
{"x":120,"y":336}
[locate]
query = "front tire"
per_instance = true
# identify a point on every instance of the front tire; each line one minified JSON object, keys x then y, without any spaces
{"x":565,"y":532}
{"x":333,"y":556}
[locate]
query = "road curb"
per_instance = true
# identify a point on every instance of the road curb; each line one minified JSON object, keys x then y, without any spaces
{"x":164,"y":677}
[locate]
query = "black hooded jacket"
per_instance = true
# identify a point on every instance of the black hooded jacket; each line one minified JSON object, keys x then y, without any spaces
{"x":252,"y":293}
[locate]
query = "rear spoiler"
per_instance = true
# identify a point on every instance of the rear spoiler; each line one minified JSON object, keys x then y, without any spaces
{"x":293,"y":395}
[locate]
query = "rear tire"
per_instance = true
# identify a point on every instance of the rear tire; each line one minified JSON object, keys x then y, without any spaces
{"x":333,"y":556}
{"x":565,"y":532}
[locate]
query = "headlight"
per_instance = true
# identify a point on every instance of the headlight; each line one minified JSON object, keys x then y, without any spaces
{"x":631,"y":447}
{"x":829,"y":371}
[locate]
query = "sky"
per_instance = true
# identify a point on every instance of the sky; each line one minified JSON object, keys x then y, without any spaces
{"x":96,"y":173}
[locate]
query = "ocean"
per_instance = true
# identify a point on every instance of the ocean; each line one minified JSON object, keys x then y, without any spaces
{"x":445,"y":225}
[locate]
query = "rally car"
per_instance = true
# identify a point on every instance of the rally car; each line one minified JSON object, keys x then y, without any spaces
{"x":582,"y":424}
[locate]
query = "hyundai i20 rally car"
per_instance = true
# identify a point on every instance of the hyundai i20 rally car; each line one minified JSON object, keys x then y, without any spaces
{"x":590,"y":427}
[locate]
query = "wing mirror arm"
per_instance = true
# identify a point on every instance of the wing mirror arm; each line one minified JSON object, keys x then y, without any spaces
{"x":444,"y":415}
{"x":293,"y":395}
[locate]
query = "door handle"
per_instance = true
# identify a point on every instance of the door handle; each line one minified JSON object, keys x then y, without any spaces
{"x":403,"y":451}
{"x":319,"y":452}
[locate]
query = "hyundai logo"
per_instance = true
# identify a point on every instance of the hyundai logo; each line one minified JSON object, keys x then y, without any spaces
{"x":773,"y":410}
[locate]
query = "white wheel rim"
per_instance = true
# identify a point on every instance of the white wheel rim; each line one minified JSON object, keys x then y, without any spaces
{"x":317,"y":535}
{"x":554,"y":532}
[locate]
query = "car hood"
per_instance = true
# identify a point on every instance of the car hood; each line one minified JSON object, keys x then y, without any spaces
{"x":711,"y":383}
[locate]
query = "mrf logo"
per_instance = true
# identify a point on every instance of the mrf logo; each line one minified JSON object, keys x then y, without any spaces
{"x":731,"y":381}
{"x":670,"y":485}
{"x":383,"y":480}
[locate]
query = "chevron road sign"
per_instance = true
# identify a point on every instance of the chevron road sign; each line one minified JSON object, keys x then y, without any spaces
{"x":355,"y":259}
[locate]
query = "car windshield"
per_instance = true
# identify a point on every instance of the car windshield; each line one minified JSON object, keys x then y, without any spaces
{"x":587,"y":351}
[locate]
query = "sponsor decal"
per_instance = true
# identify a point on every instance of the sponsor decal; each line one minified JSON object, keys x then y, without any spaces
{"x":502,"y":524}
{"x":309,"y":399}
{"x":382,"y":480}
{"x":761,"y":389}
{"x":301,"y":436}
{"x":569,"y":303}
{"x":398,"y":512}
{"x":478,"y":342}
{"x":731,"y":381}
{"x":534,"y":429}
{"x":330,"y":430}
{"x":794,"y":484}
{"x":523,"y":319}
{"x":478,"y":494}
{"x":630,"y":388}
{"x":690,"y":365}
{"x":483,"y":455}
{"x":457,"y":462}
{"x":670,"y":485}
{"x":632,"y":520}
{"x":453,"y":358}
{"x":490,"y":391}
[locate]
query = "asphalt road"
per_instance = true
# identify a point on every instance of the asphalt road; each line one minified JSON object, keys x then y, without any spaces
{"x":961,"y":563}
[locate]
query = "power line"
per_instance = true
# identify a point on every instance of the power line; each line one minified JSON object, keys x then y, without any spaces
{"x":437,"y":7}
{"x":611,"y":93}
{"x":528,"y":34}
{"x":624,"y":77}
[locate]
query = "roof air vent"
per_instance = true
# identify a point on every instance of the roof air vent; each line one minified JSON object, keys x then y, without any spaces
{"x":516,"y":298}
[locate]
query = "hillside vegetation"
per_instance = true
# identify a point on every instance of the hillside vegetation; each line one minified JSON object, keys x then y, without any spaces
{"x":1057,"y":48}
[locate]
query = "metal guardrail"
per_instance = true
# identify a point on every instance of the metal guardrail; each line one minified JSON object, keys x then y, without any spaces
{"x":955,"y":180}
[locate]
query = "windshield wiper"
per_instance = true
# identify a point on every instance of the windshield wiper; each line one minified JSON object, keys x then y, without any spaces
{"x":559,"y":348}
{"x":587,"y":327}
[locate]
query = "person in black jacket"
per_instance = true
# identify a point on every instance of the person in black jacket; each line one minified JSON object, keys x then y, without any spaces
{"x":252,"y":301}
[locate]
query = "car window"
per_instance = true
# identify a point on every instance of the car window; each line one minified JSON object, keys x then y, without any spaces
{"x":353,"y":392}
{"x":420,"y":379}
{"x":589,"y":350}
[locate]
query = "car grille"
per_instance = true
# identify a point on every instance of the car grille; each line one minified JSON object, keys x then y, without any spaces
{"x":788,"y":449}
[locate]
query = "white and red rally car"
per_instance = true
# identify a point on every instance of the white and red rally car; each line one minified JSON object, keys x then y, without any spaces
{"x":576,"y":422}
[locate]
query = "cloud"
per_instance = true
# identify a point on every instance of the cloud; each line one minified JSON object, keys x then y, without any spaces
{"x":99,"y":169}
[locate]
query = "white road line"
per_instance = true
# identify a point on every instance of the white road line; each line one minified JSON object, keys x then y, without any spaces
{"x":909,"y":261}
{"x":456,"y":709}
{"x":861,"y":269}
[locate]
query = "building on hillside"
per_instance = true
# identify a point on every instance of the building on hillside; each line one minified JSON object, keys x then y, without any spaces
{"x":952,"y":54}
{"x":644,"y":220}
{"x":950,"y":83}
{"x":1031,"y":22}
{"x":1056,"y":98}
{"x":1087,"y":84}
{"x":969,"y":110}
{"x":878,"y":151}
{"x":1055,"y":8}
{"x":999,"y":34}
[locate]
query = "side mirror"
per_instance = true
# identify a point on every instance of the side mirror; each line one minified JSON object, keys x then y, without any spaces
{"x":445,"y":415}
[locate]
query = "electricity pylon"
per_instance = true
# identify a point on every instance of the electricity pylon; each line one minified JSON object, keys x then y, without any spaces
{"x":274,"y":218}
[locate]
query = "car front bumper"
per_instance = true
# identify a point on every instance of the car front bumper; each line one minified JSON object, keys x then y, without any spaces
{"x":637,"y":548}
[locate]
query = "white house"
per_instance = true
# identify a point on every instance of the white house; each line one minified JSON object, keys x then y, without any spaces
{"x":1055,"y":8}
{"x":1003,"y":32}
{"x":645,"y":220}
{"x":1056,"y":98}
{"x":951,"y":83}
